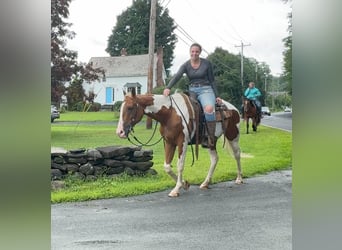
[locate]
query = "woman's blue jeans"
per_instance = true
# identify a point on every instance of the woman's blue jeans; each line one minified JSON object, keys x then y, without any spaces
{"x":206,"y":96}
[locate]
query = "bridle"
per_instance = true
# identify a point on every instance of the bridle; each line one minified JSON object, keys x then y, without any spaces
{"x":131,"y":130}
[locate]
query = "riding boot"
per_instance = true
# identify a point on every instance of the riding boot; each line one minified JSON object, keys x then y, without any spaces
{"x":210,"y":142}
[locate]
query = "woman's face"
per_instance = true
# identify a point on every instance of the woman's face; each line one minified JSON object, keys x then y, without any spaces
{"x":195,"y":51}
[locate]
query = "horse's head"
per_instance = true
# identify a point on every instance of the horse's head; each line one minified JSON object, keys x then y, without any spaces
{"x":246,"y":104}
{"x":130,"y":114}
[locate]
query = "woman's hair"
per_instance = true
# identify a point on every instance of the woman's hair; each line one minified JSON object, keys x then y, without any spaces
{"x":197,"y":45}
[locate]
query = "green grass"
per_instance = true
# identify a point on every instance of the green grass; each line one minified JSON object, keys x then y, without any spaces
{"x":267,"y":150}
{"x":88,"y":116}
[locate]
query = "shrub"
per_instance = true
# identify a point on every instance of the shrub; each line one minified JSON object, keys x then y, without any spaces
{"x":117,"y":105}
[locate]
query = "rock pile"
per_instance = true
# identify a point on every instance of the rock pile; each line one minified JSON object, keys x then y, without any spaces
{"x":88,"y":164}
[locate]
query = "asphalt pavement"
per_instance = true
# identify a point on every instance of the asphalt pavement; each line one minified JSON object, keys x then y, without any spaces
{"x":255,"y":215}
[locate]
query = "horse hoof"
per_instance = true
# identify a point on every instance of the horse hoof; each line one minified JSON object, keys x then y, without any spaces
{"x":204,"y":186}
{"x":173,"y":194}
{"x":186,"y":185}
{"x":239,"y":181}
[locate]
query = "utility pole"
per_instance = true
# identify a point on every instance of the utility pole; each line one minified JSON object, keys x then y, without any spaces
{"x":151,"y":54}
{"x":265,"y":88}
{"x":242,"y":45}
{"x":256,"y":72}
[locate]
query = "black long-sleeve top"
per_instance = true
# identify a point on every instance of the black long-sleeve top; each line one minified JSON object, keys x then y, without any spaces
{"x":203,"y":75}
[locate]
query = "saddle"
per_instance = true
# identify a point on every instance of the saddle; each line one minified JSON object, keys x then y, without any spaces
{"x":221,"y":111}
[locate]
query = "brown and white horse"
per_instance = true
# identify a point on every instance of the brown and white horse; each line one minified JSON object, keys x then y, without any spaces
{"x":177,"y":126}
{"x":250,"y":112}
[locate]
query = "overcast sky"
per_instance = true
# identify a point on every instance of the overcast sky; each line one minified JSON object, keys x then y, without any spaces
{"x":261,"y":24}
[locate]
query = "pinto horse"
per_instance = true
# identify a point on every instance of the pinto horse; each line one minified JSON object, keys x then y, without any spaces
{"x":250,"y":112}
{"x":176,"y":116}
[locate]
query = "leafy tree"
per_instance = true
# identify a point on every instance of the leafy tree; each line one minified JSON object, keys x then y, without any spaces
{"x":227,"y":71}
{"x":132,"y":32}
{"x":64,"y":65}
{"x":287,"y":53}
{"x":75,"y":93}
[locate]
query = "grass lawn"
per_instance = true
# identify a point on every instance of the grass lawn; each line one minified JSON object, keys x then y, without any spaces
{"x":267,"y":150}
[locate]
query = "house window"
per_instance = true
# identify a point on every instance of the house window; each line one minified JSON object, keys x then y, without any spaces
{"x":138,"y":90}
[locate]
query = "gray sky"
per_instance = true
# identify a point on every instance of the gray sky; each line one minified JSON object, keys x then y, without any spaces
{"x":215,"y":23}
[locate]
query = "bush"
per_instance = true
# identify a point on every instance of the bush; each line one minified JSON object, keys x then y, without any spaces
{"x":117,"y":105}
{"x":95,"y":107}
{"x":77,"y":107}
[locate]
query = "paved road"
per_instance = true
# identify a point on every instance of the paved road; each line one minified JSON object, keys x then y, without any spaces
{"x":280,"y":120}
{"x":255,"y":215}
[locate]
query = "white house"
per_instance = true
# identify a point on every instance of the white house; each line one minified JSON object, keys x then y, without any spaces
{"x":122,"y":73}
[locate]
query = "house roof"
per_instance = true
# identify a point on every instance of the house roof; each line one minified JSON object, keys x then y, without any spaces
{"x":132,"y":84}
{"x":134,"y":65}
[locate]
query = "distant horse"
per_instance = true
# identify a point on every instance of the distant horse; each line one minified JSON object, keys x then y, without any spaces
{"x":250,"y":112}
{"x":178,"y":126}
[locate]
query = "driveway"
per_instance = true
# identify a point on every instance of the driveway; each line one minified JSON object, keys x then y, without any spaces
{"x":254,"y":215}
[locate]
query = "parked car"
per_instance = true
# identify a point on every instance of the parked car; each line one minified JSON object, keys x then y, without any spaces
{"x":287,"y":109}
{"x":54,"y":113}
{"x":265,"y":111}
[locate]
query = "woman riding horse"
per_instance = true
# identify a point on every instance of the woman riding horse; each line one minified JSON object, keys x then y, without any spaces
{"x":201,"y":77}
{"x":252,"y":93}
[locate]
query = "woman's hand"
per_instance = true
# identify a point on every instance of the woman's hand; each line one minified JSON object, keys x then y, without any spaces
{"x":166,"y":92}
{"x":218,"y":100}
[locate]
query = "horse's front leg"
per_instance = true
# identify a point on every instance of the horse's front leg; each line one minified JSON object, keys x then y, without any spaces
{"x":213,"y":163}
{"x":180,"y":167}
{"x":169,"y":154}
{"x":247,"y":125}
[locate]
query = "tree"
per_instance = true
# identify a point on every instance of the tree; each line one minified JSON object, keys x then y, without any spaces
{"x":227,"y":74}
{"x":132,"y":32}
{"x":64,"y":65}
{"x":287,"y":53}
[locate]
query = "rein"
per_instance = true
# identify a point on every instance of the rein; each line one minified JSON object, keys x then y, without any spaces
{"x":148,"y":141}
{"x":187,"y":126}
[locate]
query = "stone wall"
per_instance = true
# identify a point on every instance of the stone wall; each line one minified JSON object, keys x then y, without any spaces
{"x":88,"y":164}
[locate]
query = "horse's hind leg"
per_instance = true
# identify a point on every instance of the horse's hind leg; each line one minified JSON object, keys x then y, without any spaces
{"x":213,"y":163}
{"x":254,"y":127}
{"x":234,"y":144}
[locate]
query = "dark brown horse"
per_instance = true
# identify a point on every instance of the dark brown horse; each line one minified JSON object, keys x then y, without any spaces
{"x":176,"y":116}
{"x":250,"y":112}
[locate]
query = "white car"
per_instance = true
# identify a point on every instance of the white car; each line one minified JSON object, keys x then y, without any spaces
{"x":265,"y":111}
{"x":54,"y":113}
{"x":287,"y":109}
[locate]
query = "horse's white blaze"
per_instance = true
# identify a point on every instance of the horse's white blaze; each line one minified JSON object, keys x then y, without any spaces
{"x":120,"y":130}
